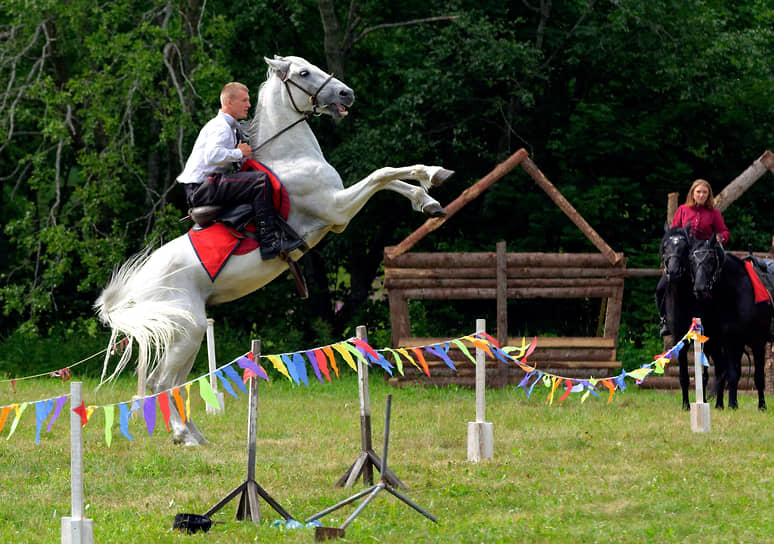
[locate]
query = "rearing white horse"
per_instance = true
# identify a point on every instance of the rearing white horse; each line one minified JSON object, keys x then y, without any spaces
{"x":159,"y":298}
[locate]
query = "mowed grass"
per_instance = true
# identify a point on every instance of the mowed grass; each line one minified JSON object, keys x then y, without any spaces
{"x":628,"y":471}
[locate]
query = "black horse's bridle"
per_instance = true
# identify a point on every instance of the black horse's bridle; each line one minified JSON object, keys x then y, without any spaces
{"x":304,"y":114}
{"x":717,"y":255}
{"x":682,"y":260}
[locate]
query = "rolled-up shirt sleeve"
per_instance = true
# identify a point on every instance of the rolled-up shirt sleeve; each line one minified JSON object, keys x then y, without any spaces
{"x":719,"y":226}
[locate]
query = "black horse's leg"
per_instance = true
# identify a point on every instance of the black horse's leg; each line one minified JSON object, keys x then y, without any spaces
{"x":719,"y":358}
{"x":685,"y":379}
{"x":734,"y":365}
{"x":759,"y":360}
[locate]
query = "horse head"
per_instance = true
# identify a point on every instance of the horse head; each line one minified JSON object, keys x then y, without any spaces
{"x":310,"y":90}
{"x":706,"y":259}
{"x":673,"y":251}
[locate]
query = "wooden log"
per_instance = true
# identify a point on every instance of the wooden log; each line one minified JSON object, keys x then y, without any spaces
{"x":391,"y":273}
{"x":554,"y":194}
{"x":745,"y":180}
{"x":467,"y":195}
{"x":426,"y":283}
{"x":488,"y":259}
{"x":463,"y":293}
{"x":542,"y":341}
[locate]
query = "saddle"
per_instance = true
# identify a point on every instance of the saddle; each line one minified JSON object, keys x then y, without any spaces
{"x":238,"y":218}
{"x":764,"y":268}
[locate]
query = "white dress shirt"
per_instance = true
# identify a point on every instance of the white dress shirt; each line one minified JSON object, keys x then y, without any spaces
{"x":215,"y":150}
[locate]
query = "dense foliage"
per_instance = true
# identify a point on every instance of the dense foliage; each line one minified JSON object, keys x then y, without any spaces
{"x":619,"y":102}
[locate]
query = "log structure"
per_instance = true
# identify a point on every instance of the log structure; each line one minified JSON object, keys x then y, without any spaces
{"x":500,"y":276}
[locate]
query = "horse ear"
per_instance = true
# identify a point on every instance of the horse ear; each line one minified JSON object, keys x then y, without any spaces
{"x":280,"y":66}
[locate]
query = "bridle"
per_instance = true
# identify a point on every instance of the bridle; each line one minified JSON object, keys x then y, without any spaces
{"x":287,"y":82}
{"x":717,"y":256}
{"x":674,"y":240}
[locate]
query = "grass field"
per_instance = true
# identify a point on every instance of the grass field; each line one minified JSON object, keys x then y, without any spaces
{"x":628,"y":471}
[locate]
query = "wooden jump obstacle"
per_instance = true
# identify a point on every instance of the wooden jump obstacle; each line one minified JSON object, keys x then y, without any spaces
{"x":501,"y":276}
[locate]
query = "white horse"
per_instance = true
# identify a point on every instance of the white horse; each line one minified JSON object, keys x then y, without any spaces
{"x":159,"y":298}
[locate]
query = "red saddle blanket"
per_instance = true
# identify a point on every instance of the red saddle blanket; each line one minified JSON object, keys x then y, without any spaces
{"x":761,"y":294}
{"x":214,"y":244}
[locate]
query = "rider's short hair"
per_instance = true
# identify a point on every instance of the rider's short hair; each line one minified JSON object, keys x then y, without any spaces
{"x":230,"y":89}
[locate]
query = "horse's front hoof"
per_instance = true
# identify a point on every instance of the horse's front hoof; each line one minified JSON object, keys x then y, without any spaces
{"x":686,"y":406}
{"x":762,"y":407}
{"x":434,"y":210}
{"x":441,"y":176}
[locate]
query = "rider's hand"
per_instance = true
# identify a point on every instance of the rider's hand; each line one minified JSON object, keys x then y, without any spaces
{"x":245,"y":149}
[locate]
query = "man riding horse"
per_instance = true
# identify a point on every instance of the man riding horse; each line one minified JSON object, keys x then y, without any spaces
{"x":211,"y":176}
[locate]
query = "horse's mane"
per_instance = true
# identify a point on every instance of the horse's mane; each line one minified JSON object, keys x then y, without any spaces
{"x":255,"y":121}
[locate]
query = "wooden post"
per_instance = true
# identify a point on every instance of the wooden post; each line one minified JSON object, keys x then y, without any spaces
{"x":213,"y":366}
{"x":75,"y":529}
{"x":480,"y":433}
{"x":502,"y":309}
{"x":366,"y":442}
{"x":249,"y":490}
{"x":700,"y":412}
{"x":745,"y":180}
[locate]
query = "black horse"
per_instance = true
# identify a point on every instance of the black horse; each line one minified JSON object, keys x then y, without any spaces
{"x":674,"y":295}
{"x":731,"y":317}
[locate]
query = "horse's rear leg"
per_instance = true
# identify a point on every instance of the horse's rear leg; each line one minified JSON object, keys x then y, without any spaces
{"x":172,"y":371}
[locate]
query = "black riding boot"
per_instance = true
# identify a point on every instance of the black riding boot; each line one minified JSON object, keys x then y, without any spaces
{"x":274,"y":235}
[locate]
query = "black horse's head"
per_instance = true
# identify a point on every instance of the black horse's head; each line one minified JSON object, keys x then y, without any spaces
{"x":674,"y":253}
{"x":706,"y":259}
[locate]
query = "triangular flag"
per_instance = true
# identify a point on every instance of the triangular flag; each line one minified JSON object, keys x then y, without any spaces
{"x":206,"y":392}
{"x":57,"y":409}
{"x":163,"y":400}
{"x":4,"y":416}
{"x":421,"y":359}
{"x":257,"y":369}
{"x":19,"y":411}
{"x":345,"y":355}
{"x":291,"y":366}
{"x":123,"y":420}
{"x":234,"y":375}
{"x":225,"y":383}
{"x":81,"y":411}
{"x":149,"y":412}
{"x":279,"y":365}
{"x":398,"y":360}
{"x":179,"y":403}
{"x":331,"y":359}
{"x":322,"y":362}
{"x":313,"y":362}
{"x":438,"y":351}
{"x":42,"y":410}
{"x":464,"y":349}
{"x":109,"y":412}
{"x":300,"y":365}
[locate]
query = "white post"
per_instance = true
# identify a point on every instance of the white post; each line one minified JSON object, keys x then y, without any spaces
{"x":700,"y":410}
{"x":480,"y":433}
{"x":213,"y":366}
{"x":75,"y":529}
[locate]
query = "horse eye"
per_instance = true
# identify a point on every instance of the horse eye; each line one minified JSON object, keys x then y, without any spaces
{"x":303,"y":73}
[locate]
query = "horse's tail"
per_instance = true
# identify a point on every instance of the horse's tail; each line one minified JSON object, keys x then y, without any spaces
{"x":135,"y":302}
